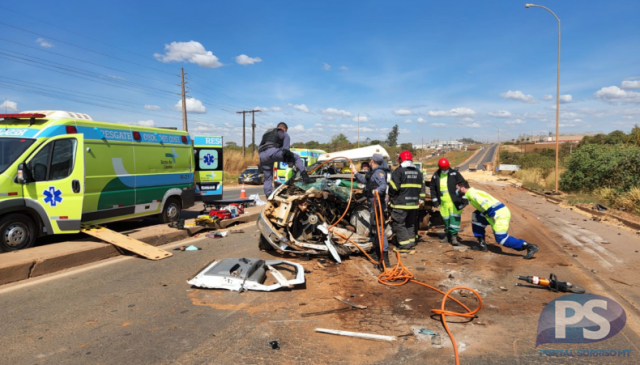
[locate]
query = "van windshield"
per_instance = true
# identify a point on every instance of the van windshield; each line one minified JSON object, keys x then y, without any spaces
{"x":11,"y":149}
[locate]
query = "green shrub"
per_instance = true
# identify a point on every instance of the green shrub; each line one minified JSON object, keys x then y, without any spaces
{"x":595,"y":166}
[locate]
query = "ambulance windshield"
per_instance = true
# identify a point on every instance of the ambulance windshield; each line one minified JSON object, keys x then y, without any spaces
{"x":11,"y":149}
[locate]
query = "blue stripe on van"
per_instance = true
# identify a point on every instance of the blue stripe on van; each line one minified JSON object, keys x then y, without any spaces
{"x":142,"y":181}
{"x":107,"y":134}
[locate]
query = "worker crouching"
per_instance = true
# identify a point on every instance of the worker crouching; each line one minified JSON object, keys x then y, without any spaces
{"x":490,"y":211}
{"x":406,"y":189}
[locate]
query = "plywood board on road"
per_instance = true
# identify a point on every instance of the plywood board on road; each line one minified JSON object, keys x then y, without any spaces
{"x":126,"y":242}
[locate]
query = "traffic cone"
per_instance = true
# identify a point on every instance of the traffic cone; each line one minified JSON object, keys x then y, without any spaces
{"x":243,"y":193}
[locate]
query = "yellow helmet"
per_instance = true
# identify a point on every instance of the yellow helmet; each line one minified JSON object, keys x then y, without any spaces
{"x":345,"y":170}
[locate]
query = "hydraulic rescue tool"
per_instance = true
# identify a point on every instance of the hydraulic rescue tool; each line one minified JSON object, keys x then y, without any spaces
{"x":552,"y":284}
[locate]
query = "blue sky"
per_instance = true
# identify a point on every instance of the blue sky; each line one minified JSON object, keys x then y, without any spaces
{"x":437,"y":69}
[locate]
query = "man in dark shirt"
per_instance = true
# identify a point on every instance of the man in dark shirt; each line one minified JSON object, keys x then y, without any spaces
{"x":275,"y":148}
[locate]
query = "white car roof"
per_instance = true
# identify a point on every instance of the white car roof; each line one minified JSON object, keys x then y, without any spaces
{"x":357,"y":154}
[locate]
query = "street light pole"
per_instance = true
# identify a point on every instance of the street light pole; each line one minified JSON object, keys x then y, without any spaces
{"x":359,"y":123}
{"x":557,"y":91}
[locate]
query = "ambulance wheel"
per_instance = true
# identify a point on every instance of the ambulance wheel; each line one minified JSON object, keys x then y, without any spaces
{"x":172,"y":210}
{"x":18,"y":232}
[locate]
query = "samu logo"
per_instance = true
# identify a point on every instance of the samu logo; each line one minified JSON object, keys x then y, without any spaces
{"x":580,"y":318}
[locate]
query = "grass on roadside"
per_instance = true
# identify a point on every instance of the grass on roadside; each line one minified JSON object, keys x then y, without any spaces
{"x":234,"y":163}
{"x":455,"y":158}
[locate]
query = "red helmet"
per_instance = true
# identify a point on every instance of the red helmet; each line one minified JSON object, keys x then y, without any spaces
{"x":443,"y":164}
{"x":405,"y":156}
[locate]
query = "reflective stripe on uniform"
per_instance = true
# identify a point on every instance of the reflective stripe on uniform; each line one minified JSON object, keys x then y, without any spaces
{"x":454,"y":226}
{"x":434,"y":199}
{"x":393,"y":185}
{"x":504,"y":240}
{"x":479,"y":224}
{"x":405,"y":206}
{"x":423,"y":195}
{"x":408,"y":185}
{"x":455,"y":215}
{"x":404,"y":242}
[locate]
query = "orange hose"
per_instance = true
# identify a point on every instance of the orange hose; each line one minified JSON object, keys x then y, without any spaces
{"x":400,"y":275}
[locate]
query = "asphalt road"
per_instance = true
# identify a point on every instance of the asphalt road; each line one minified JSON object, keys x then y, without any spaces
{"x":486,"y":155}
{"x":128,"y":310}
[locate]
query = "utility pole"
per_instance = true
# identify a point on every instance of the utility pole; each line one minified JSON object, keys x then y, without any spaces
{"x":184,"y":102}
{"x":253,"y":128}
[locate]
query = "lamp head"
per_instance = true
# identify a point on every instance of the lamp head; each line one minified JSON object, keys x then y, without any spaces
{"x":528,"y":5}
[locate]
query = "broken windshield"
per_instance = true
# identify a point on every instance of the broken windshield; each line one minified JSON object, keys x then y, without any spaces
{"x":332,"y":186}
{"x":11,"y":149}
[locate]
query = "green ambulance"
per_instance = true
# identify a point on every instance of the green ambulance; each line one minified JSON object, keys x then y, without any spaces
{"x":209,"y":165}
{"x":283,"y":171}
{"x":59,"y":170}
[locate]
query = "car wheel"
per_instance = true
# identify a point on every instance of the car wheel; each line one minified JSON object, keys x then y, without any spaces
{"x":264,"y":245}
{"x":18,"y":232}
{"x":172,"y":210}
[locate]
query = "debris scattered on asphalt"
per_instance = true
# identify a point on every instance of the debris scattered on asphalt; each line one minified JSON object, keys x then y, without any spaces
{"x":574,"y":255}
{"x":322,"y":261}
{"x":420,"y":269}
{"x":308,"y":271}
{"x":408,"y":300}
{"x":236,"y":231}
{"x":605,"y":242}
{"x":345,"y":301}
{"x":192,"y":248}
{"x":377,"y":293}
{"x":311,"y":314}
{"x":460,"y":248}
{"x":436,"y":341}
{"x":503,"y":288}
{"x":405,"y":307}
{"x":240,"y":274}
{"x":594,"y":271}
{"x":424,"y":331}
{"x":320,"y":265}
{"x":368,"y":336}
{"x":131,"y":305}
{"x":216,"y":235}
{"x":601,"y":207}
{"x":274,"y":345}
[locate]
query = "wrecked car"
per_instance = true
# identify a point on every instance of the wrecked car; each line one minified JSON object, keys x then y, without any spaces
{"x":298,"y":218}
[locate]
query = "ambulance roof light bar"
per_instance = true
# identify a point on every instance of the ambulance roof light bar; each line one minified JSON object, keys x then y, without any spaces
{"x":22,"y":116}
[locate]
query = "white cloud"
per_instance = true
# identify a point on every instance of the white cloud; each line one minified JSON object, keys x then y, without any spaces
{"x":408,"y":121}
{"x":193,"y":106}
{"x":421,"y":120}
{"x":402,"y":112}
{"x":272,"y":109}
{"x":519,"y":96}
{"x":578,"y":120}
{"x":466,"y":120}
{"x":300,"y":107}
{"x":438,"y":125}
{"x":244,"y":60}
{"x":44,"y":43}
{"x":363,"y":119}
{"x":614,"y":94}
{"x":336,"y":112}
{"x":561,"y":125}
{"x":473,"y":125}
{"x":500,"y":114}
{"x":631,"y":84}
{"x":515,"y":121}
{"x":146,"y":123}
{"x":547,"y":97}
{"x":328,"y":118}
{"x":154,"y":107}
{"x":298,"y":128}
{"x":344,"y":68}
{"x":317,"y":125}
{"x":564,"y":99}
{"x":8,"y":105}
{"x":455,"y":112}
{"x":326,"y":66}
{"x":191,"y":51}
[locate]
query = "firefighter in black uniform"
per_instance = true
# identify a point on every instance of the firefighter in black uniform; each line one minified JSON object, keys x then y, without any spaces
{"x":406,"y":190}
{"x":376,"y":179}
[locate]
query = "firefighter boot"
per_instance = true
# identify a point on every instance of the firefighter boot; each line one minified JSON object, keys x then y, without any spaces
{"x":454,"y":240}
{"x":446,"y":238}
{"x":481,"y":246}
{"x":385,"y":256}
{"x":531,"y":249}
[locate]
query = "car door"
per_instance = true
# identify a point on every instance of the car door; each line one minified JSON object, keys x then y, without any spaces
{"x":57,"y":181}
